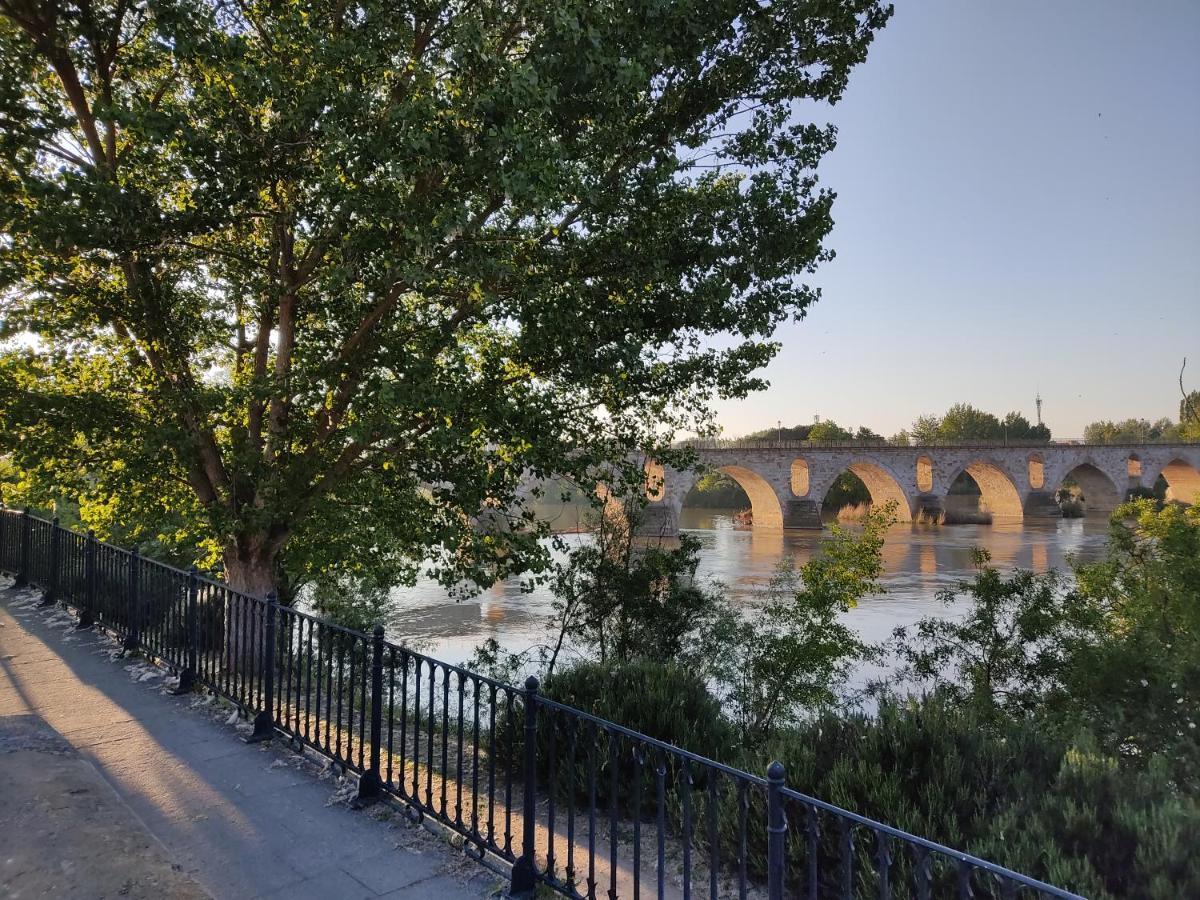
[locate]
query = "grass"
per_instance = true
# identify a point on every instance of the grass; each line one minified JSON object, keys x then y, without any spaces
{"x":954,"y":517}
{"x":853,"y":512}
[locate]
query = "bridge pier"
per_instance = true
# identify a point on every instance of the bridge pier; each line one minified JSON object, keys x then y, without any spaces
{"x":802,"y":514}
{"x":1042,"y":505}
{"x":658,"y":520}
{"x":927,"y":504}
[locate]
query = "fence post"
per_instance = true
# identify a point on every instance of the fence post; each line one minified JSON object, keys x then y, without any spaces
{"x":187,"y":677}
{"x":524,"y":871}
{"x":87,"y":615}
{"x":50,"y":594}
{"x":264,"y":722}
{"x":370,"y":784}
{"x":133,"y":636}
{"x":22,"y":579}
{"x":776,"y":831}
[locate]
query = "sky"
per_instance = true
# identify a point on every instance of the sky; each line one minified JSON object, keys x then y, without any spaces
{"x":1018,"y":211}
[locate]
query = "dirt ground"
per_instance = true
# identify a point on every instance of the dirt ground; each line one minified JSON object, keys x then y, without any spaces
{"x":64,"y":832}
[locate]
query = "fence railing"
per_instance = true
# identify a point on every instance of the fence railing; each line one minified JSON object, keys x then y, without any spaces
{"x":565,"y":799}
{"x":885,"y":444}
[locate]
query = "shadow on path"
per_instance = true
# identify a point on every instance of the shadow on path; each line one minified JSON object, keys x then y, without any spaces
{"x":242,"y":820}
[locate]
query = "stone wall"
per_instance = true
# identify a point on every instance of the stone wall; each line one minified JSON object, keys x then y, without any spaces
{"x":787,"y":487}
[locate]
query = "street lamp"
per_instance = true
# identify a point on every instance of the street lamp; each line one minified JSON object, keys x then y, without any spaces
{"x":779,"y":431}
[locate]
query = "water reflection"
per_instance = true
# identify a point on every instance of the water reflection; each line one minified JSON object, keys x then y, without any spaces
{"x":919,"y":563}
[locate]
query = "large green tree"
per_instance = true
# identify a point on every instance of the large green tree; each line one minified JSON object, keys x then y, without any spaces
{"x":319,"y":281}
{"x":964,"y":422}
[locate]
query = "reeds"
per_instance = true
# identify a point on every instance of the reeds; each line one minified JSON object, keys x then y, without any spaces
{"x":953,"y":517}
{"x":854,"y":512}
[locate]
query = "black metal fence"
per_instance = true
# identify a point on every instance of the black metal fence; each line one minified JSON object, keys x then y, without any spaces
{"x":565,"y":799}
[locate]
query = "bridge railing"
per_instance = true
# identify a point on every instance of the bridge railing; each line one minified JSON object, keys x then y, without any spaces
{"x":556,"y":796}
{"x":768,"y":444}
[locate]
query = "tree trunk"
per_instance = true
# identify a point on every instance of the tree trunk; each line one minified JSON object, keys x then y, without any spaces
{"x":249,"y":570}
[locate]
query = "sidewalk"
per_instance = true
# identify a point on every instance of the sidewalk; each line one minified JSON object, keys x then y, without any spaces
{"x":195,"y":809}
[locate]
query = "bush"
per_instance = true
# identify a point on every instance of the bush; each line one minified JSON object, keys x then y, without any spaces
{"x":662,"y":700}
{"x":1009,"y":792}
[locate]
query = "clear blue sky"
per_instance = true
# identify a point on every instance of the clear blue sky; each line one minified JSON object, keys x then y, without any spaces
{"x":1018,"y":208}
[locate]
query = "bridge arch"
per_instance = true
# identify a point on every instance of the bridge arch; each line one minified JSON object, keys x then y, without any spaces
{"x":765,"y":507}
{"x":883,"y":486}
{"x":1100,"y":492}
{"x":998,"y":492}
{"x":1183,"y":481}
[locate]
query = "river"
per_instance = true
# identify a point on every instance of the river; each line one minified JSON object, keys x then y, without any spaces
{"x":919,"y":562}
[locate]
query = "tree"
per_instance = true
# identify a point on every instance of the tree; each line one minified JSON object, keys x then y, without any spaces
{"x":1130,"y":431}
{"x":1189,"y":416}
{"x":789,"y":657}
{"x":829,"y":430}
{"x":1009,"y":650}
{"x":925,"y":429}
{"x":1017,"y":427}
{"x":324,"y":280}
{"x":963,"y":422}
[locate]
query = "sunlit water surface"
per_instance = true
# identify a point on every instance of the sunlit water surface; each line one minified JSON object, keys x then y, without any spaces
{"x":919,"y":563}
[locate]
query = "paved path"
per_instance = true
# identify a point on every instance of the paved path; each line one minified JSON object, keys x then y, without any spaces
{"x":241,"y":820}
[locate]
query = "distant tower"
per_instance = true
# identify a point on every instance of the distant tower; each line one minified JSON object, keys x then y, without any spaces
{"x":1039,"y":407}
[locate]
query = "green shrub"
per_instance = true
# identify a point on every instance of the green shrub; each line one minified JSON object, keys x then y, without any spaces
{"x":1008,"y":792}
{"x":662,"y":700}
{"x":578,"y":759}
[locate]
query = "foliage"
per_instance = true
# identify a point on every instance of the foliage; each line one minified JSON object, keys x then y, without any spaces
{"x":716,"y":490}
{"x":617,"y":598}
{"x":1137,"y":685}
{"x":1006,"y":790}
{"x":820,"y":430}
{"x":1054,"y":737}
{"x":279,"y":274}
{"x":963,"y":422}
{"x":661,"y":699}
{"x":776,"y":664}
{"x":1189,"y":416}
{"x":847,"y":490}
{"x":622,"y":601}
{"x":349,"y":602}
{"x":1131,"y":431}
{"x":1009,"y":649}
{"x":925,"y":429}
{"x":828,"y":430}
{"x":1117,"y":655}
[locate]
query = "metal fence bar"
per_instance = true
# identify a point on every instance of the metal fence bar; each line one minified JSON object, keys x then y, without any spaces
{"x":454,"y":745}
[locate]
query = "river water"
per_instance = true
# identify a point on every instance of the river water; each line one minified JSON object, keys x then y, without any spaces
{"x":919,"y":562}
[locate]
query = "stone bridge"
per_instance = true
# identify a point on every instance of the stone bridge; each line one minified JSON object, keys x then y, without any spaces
{"x":787,"y":485}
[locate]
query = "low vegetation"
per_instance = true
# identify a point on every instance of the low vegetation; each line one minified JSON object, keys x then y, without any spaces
{"x":1054,"y":727}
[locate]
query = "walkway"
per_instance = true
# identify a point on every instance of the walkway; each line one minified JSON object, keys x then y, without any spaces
{"x":194,"y":805}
